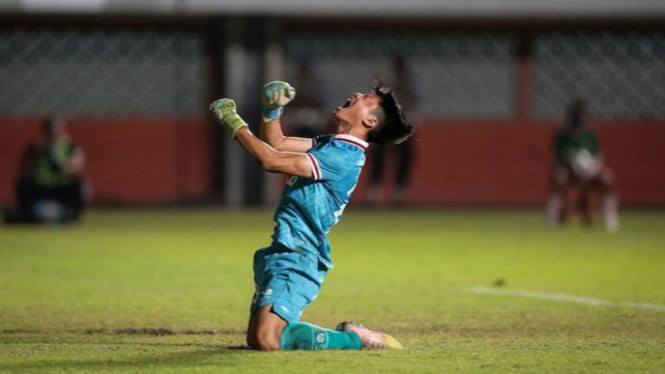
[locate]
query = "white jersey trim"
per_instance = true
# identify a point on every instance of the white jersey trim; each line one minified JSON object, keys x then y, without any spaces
{"x":353,"y":140}
{"x":316,"y":170}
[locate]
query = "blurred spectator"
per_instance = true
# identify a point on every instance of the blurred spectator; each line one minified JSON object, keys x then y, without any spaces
{"x":579,"y":167}
{"x":408,"y":90}
{"x":50,"y":181}
{"x":307,"y":111}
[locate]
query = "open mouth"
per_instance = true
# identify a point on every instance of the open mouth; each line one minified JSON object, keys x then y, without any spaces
{"x":347,"y":104}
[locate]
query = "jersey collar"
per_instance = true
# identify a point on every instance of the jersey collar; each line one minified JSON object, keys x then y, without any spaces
{"x":352,"y":139}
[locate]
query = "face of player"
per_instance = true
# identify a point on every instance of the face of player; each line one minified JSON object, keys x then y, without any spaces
{"x":358,"y":110}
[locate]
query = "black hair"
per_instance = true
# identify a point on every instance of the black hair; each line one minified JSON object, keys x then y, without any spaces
{"x":393,"y":127}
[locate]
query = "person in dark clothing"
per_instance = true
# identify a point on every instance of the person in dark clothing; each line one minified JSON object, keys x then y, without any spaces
{"x":309,"y":116}
{"x":578,"y":164}
{"x":50,"y":182}
{"x":398,"y":157}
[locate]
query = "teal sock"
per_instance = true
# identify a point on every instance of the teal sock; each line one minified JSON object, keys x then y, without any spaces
{"x":306,"y":336}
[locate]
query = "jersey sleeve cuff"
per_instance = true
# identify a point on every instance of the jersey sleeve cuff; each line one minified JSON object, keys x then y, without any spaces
{"x":316,"y":170}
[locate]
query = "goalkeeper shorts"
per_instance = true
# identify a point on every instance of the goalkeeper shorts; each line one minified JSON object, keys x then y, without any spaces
{"x":286,"y":279}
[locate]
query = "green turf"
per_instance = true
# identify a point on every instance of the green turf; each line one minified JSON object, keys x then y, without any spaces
{"x":168,"y":291}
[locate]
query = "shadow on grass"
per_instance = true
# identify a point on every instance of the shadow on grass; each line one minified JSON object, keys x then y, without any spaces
{"x":220,"y":356}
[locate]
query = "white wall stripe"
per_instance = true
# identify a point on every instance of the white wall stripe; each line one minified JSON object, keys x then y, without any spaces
{"x":565,"y":298}
{"x":420,"y":8}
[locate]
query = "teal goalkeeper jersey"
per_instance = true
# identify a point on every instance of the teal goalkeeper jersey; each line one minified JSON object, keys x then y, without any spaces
{"x":309,"y":207}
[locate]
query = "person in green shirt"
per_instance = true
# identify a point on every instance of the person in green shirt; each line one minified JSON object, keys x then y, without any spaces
{"x":578,"y":164}
{"x":50,"y":182}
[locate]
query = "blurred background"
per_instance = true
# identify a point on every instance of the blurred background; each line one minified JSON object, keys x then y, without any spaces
{"x":489,"y":85}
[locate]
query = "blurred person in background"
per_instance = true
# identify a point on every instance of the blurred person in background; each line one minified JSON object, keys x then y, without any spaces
{"x":307,"y":117}
{"x":50,"y":182}
{"x":399,"y":158}
{"x":578,"y":165}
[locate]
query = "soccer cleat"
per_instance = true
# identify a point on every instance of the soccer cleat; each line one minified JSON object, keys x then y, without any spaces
{"x":370,"y":339}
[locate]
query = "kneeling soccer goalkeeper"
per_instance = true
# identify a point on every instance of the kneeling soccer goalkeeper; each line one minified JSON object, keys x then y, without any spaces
{"x":324,"y":172}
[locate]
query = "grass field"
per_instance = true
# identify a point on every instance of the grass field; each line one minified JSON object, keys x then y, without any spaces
{"x":465,"y":291}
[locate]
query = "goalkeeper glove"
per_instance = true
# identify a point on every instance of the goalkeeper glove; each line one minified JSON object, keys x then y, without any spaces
{"x":225,"y":113}
{"x":274,"y":96}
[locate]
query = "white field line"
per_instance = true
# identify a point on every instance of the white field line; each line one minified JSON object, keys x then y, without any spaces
{"x":563,"y":298}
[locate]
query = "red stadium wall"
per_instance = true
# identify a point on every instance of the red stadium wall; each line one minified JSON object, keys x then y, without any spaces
{"x":143,"y":161}
{"x":152,"y":161}
{"x":476,"y":163}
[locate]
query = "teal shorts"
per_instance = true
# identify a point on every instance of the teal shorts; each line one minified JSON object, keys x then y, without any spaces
{"x":286,"y":279}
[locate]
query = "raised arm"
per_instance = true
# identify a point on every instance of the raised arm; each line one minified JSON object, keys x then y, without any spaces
{"x":274,"y":96}
{"x":269,"y":158}
{"x":272,"y":160}
{"x":271,"y":133}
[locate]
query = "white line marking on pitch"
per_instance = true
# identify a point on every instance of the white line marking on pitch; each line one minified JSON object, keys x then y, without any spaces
{"x":564,"y":298}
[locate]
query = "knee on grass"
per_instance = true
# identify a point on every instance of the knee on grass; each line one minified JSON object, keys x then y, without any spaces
{"x":264,"y":339}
